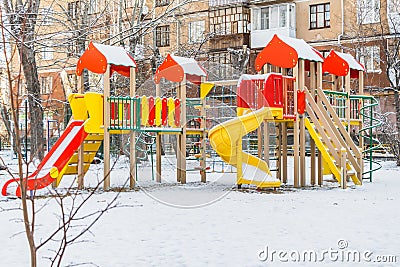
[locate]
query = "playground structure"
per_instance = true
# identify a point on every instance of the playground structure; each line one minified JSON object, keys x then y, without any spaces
{"x":270,"y":97}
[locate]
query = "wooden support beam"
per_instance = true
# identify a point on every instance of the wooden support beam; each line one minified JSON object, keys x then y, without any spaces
{"x":203,"y":137}
{"x":81,"y":151}
{"x":106,"y":142}
{"x":343,"y":169}
{"x":279,"y":152}
{"x":184,"y":126}
{"x":158,"y":145}
{"x":298,"y":72}
{"x":320,"y":169}
{"x":284,"y":153}
{"x":348,"y":91}
{"x":132,"y":134}
{"x":302,"y":152}
{"x":312,"y":161}
{"x":266,"y":142}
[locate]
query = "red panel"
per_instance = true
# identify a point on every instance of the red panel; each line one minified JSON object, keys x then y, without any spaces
{"x":152,"y":111}
{"x":301,"y":102}
{"x":336,"y":65}
{"x":277,"y":53}
{"x":113,"y":117}
{"x":164,"y":112}
{"x":177,"y":112}
{"x":34,"y":182}
{"x":169,"y":70}
{"x":273,"y":91}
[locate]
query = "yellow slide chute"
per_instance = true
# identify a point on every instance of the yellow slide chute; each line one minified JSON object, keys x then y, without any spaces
{"x":226,"y":138}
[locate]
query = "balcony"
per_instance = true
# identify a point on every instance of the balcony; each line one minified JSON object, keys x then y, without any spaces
{"x":269,"y":20}
{"x":216,"y":3}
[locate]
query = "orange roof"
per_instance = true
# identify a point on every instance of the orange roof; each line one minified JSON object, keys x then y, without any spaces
{"x":285,"y":51}
{"x":174,"y":68}
{"x":97,"y":56}
{"x":340,"y":64}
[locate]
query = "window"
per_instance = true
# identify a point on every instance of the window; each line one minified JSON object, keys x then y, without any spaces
{"x":162,"y":36}
{"x":47,"y":14}
{"x":273,"y":17}
{"x":393,"y":6}
{"x":196,"y":31}
{"x":47,"y":52}
{"x":368,"y":11}
{"x":320,"y":16}
{"x":46,"y":84}
{"x":231,"y":20}
{"x":94,"y":6}
{"x":162,"y":2}
{"x":369,"y":56}
{"x":73,"y":9}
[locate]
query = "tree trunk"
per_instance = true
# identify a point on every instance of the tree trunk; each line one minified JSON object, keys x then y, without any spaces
{"x":396,"y":101}
{"x":29,"y":67}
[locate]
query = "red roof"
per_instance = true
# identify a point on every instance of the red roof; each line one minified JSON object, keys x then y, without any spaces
{"x":97,"y":56}
{"x":174,"y":68}
{"x":340,"y":64}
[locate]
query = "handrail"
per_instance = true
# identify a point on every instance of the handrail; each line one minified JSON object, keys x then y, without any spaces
{"x":372,"y":103}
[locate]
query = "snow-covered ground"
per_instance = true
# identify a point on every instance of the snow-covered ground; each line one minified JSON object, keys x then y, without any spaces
{"x":212,"y":224}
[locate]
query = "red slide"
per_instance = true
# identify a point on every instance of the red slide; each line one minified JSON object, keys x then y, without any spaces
{"x":57,"y":157}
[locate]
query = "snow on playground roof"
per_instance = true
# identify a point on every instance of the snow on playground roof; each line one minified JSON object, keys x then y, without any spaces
{"x":248,"y":77}
{"x":174,"y":68}
{"x":285,"y":51}
{"x":341,"y":63}
{"x":97,"y":56}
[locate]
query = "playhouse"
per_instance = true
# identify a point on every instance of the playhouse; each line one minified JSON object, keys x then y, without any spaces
{"x":288,"y":93}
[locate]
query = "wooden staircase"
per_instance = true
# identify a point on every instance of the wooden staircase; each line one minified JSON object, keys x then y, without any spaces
{"x":91,"y":145}
{"x":332,"y":139}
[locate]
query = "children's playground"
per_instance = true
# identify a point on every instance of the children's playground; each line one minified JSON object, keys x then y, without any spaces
{"x":285,"y":112}
{"x":272,"y":168}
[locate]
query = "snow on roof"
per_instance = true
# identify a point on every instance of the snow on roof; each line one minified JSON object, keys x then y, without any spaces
{"x":285,"y":52}
{"x":340,"y":64}
{"x":97,"y":56}
{"x":174,"y":68}
{"x":249,"y":77}
{"x":189,"y":65}
{"x":353,"y":63}
{"x":304,"y":50}
{"x":115,"y":55}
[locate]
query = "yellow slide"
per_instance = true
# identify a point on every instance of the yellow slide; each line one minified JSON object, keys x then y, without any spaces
{"x":225,"y":137}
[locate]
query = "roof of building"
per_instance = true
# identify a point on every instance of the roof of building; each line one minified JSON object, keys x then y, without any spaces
{"x":174,"y":68}
{"x":340,"y":64}
{"x":97,"y":56}
{"x":283,"y":51}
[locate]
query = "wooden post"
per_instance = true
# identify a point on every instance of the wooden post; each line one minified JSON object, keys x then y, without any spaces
{"x":158,"y":145}
{"x":106,"y":143}
{"x":183,"y":137}
{"x":279,"y":152}
{"x":239,"y":163}
{"x":302,"y":152}
{"x":334,"y":82}
{"x":343,"y":176}
{"x":347,"y":89}
{"x":284,"y":153}
{"x":132,"y":134}
{"x":179,"y":142}
{"x":266,"y":142}
{"x":360,"y":125}
{"x":320,"y":159}
{"x":203,"y":137}
{"x":81,"y":150}
{"x":259,"y":140}
{"x":298,"y":72}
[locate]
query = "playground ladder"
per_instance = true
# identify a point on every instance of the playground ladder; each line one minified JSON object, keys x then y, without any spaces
{"x":332,"y":139}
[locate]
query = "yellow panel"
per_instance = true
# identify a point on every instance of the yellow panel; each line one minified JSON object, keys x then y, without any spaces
{"x":94,"y":104}
{"x":73,"y":169}
{"x":94,"y":137}
{"x":78,"y":106}
{"x":145,"y":110}
{"x":158,"y":106}
{"x":171,"y":112}
{"x":205,"y":88}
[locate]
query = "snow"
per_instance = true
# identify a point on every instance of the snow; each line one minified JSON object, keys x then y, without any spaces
{"x":353,"y":64}
{"x":115,"y":55}
{"x":213,"y":224}
{"x":189,"y":65}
